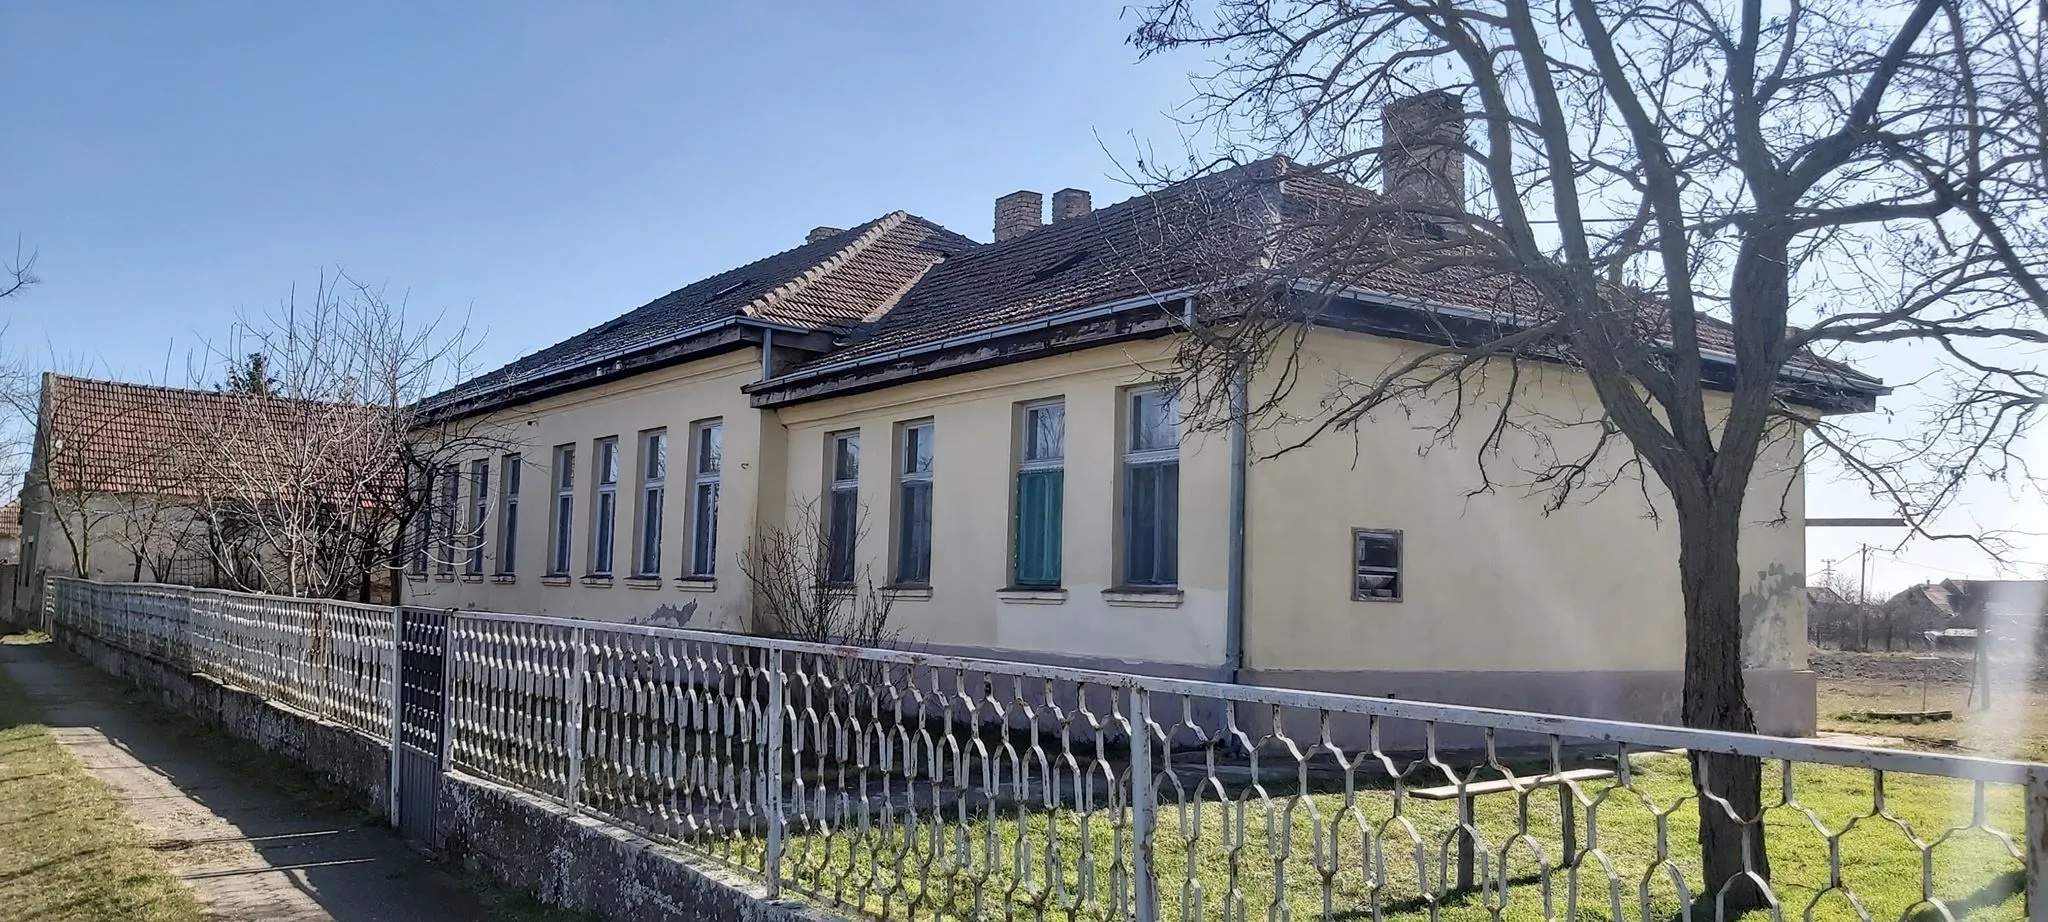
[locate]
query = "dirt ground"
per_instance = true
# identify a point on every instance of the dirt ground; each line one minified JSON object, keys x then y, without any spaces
{"x":2015,"y":725}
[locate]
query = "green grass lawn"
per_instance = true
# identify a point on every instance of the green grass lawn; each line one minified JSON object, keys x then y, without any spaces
{"x":66,"y":851}
{"x":1640,"y":837}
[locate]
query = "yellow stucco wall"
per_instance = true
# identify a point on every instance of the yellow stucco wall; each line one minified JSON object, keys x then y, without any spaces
{"x":675,"y":398}
{"x":1493,"y":582}
{"x":975,"y":419}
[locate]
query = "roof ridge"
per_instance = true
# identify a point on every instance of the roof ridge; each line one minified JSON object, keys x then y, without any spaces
{"x":828,"y":265}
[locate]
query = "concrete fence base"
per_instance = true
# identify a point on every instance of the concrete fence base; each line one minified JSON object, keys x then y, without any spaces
{"x":561,"y":858}
{"x":576,"y":862}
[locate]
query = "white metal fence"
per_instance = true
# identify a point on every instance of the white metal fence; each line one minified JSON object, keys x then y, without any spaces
{"x":900,"y":785}
{"x":328,"y":658}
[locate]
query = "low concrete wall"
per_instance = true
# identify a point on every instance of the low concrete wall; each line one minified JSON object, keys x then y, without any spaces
{"x":349,"y":760}
{"x":579,"y":863}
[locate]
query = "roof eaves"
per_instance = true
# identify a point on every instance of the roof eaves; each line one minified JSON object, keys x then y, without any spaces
{"x":1848,"y":377}
{"x":829,"y":367}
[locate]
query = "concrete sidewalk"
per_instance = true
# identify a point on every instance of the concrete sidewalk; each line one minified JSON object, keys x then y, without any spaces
{"x":248,"y":850}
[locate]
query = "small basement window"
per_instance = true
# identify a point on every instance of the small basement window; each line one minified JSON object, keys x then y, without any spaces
{"x":1376,"y":565}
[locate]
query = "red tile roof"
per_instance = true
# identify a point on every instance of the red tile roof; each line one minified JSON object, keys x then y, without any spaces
{"x":115,"y":437}
{"x":10,"y":519}
{"x":833,"y":283}
{"x":1180,"y":236}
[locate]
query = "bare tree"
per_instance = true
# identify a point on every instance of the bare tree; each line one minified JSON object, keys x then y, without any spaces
{"x":1680,"y":201}
{"x":795,"y":592}
{"x":325,"y":476}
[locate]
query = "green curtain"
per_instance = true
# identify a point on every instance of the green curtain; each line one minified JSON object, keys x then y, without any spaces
{"x":1039,"y":500}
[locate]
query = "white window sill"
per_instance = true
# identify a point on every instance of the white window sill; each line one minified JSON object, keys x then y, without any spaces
{"x":697,"y":584}
{"x":472,"y":577}
{"x":907,"y":593}
{"x":444,"y":577}
{"x":1142,"y":598}
{"x":643,"y":582}
{"x":504,"y":578}
{"x":554,"y":581}
{"x":1045,"y":596}
{"x":598,"y":582}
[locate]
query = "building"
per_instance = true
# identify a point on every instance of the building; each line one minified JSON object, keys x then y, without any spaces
{"x":140,"y":483}
{"x":1954,"y":611}
{"x":10,"y":532}
{"x":982,"y":427}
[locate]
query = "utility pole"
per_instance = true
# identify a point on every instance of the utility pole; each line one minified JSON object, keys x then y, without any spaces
{"x":1863,"y":596}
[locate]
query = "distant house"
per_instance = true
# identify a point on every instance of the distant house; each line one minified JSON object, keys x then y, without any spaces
{"x":132,"y":482}
{"x":10,"y":532}
{"x":1955,"y":611}
{"x":985,"y":428}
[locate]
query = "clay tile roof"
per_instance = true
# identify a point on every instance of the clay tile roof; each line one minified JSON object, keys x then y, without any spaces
{"x":10,"y":519}
{"x":116,"y":437}
{"x":1176,"y":237}
{"x":831,"y":284}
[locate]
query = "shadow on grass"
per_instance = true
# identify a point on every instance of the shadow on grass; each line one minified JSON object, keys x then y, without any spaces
{"x":1995,"y":891}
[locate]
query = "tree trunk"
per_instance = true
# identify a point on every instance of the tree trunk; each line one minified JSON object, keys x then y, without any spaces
{"x":1731,"y":835}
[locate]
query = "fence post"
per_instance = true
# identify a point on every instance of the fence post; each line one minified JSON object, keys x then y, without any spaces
{"x":397,"y":709}
{"x":1144,"y":806}
{"x":572,"y":722}
{"x":2037,"y":844}
{"x":773,"y":801}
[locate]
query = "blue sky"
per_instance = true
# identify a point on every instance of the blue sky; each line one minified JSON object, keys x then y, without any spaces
{"x":545,"y":167}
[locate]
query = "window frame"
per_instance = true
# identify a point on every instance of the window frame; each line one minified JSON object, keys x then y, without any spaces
{"x":446,"y":509}
{"x":479,"y":514}
{"x":604,"y":506}
{"x":1398,"y":570}
{"x":562,"y":517}
{"x":422,"y":529}
{"x":508,"y":515}
{"x":1132,"y":458}
{"x":1026,"y":464}
{"x":912,"y":566}
{"x":841,"y":487}
{"x":652,"y":503}
{"x":705,"y":480}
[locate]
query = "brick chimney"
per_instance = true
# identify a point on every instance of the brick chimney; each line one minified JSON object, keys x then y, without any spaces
{"x":1068,"y":204}
{"x":821,"y":232}
{"x":1422,"y":150}
{"x":1018,"y":213}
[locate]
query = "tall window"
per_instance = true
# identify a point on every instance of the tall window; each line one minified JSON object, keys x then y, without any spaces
{"x":423,"y":530}
{"x":705,"y":463}
{"x":1151,"y":488}
{"x":653,"y":493}
{"x":843,"y":508}
{"x":1041,"y":491}
{"x":479,"y":513}
{"x":605,"y":509}
{"x":563,"y":516}
{"x":445,"y":513}
{"x":508,"y":515}
{"x":914,"y":505}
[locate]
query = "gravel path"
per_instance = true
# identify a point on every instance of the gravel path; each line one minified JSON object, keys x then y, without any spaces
{"x":248,"y":852}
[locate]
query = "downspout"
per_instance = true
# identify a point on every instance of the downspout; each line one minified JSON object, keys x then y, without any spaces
{"x":1233,"y":611}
